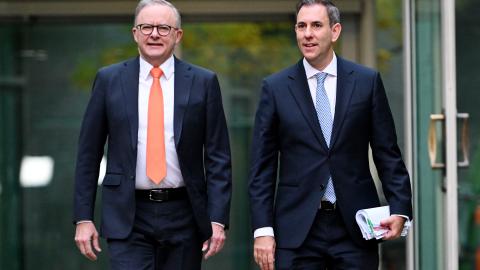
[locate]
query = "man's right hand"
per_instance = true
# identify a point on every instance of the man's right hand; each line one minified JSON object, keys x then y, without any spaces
{"x":264,"y":252}
{"x":86,"y":236}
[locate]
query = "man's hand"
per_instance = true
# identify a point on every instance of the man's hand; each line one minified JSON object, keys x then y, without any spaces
{"x":394,"y":225}
{"x":213,"y":245}
{"x":264,"y":252}
{"x":85,"y":236}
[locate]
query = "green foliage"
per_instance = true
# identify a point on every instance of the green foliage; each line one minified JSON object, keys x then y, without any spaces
{"x":87,"y":65}
{"x":243,"y":53}
{"x":390,"y":32}
{"x":389,"y":14}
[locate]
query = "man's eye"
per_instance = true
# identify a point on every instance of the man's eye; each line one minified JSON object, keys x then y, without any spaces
{"x":163,"y":28}
{"x":316,"y":25}
{"x":147,"y":27}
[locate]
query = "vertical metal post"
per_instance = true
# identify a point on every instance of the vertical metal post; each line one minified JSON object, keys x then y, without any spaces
{"x":450,"y":107}
{"x":408,"y":75}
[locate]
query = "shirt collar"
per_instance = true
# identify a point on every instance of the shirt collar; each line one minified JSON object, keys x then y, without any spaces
{"x":330,"y":69}
{"x":168,"y":68}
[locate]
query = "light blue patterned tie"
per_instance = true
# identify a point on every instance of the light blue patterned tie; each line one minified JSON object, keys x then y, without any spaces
{"x":326,"y":122}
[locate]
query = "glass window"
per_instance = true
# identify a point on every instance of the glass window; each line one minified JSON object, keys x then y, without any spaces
{"x":468,"y":81}
{"x":60,"y":61}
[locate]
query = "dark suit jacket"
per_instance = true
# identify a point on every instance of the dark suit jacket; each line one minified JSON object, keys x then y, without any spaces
{"x":201,"y":140}
{"x":287,"y":131}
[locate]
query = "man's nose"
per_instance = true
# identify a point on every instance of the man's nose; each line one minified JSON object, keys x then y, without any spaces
{"x":154,"y":33}
{"x":308,"y":31}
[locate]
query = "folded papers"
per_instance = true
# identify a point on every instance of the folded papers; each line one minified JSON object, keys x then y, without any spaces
{"x":369,"y":222}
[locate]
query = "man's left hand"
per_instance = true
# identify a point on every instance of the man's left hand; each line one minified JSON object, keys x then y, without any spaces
{"x":394,"y":225}
{"x":213,"y":245}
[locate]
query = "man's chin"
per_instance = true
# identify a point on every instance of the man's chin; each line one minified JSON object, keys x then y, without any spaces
{"x":154,"y":56}
{"x":310,"y":57}
{"x":309,"y":53}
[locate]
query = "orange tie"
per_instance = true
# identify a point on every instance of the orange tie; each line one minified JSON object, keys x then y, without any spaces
{"x":156,"y":162}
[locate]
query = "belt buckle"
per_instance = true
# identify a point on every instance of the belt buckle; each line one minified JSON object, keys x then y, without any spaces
{"x":152,"y":192}
{"x":334,"y":206}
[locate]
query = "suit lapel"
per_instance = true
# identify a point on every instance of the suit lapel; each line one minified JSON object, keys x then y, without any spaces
{"x":345,"y":87}
{"x":182,"y":88}
{"x":298,"y":86}
{"x":129,"y":79}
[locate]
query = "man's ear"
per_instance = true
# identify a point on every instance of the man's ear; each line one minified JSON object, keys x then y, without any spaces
{"x":179,"y":36}
{"x":134,"y":34}
{"x":336,"y":30}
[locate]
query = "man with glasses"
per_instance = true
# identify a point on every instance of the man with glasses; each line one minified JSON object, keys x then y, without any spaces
{"x":166,"y":192}
{"x":315,"y":123}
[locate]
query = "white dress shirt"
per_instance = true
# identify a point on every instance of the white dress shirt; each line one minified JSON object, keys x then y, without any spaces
{"x":330,"y":88}
{"x":174,"y":178}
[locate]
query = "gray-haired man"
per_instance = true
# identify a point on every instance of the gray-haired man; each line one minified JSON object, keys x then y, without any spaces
{"x":166,"y":192}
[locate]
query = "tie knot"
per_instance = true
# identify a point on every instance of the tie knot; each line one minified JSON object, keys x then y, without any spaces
{"x":156,"y":72}
{"x":321,"y":76}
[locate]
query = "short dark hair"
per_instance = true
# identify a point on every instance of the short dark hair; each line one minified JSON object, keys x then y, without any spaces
{"x":332,"y":10}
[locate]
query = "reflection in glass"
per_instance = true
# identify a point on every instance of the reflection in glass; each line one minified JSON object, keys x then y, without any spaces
{"x":36,"y":171}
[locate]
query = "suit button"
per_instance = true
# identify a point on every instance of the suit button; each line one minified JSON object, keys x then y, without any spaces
{"x":322,"y":187}
{"x":132,"y":177}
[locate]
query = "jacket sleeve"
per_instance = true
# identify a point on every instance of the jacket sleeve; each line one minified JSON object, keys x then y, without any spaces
{"x":387,"y":155}
{"x":91,"y":143}
{"x":264,"y":161}
{"x":217,"y":156}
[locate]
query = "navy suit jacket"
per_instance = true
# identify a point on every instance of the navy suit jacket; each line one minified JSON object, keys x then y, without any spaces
{"x":201,"y":141}
{"x":288,"y":136}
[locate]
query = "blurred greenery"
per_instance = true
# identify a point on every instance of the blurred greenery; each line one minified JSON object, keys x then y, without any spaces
{"x":467,"y":44}
{"x":389,"y":32}
{"x":86,"y":66}
{"x":240,"y":51}
{"x":236,"y":51}
{"x":469,"y":214}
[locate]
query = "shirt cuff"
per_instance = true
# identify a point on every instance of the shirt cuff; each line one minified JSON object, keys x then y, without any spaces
{"x":406,"y":226}
{"x":407,"y":220}
{"x":219,"y":224}
{"x":264,"y":231}
{"x":84,"y":221}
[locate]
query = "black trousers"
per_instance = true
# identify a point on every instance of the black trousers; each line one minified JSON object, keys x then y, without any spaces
{"x":328,"y":246}
{"x":164,"y":237}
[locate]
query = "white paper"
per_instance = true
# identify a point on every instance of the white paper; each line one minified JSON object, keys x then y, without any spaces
{"x":369,"y":222}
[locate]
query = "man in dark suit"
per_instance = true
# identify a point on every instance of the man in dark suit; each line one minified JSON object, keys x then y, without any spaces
{"x":314,"y":124}
{"x":166,"y":192}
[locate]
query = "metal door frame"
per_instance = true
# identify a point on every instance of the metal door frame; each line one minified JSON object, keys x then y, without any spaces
{"x":449,"y":92}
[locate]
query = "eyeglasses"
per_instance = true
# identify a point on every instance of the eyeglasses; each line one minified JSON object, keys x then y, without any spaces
{"x":162,"y":29}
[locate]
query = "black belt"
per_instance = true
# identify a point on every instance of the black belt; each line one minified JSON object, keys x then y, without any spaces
{"x":327,"y":206}
{"x":162,"y":194}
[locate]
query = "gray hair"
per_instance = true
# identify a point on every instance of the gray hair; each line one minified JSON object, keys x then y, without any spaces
{"x":332,"y":10}
{"x":145,"y":3}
